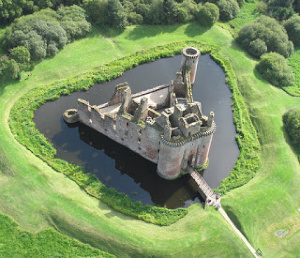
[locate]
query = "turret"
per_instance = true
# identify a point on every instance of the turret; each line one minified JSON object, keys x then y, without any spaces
{"x":190,"y":62}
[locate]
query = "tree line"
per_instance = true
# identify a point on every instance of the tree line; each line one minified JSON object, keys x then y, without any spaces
{"x":43,"y":32}
{"x":39,"y":29}
{"x":120,"y":13}
{"x":39,"y":35}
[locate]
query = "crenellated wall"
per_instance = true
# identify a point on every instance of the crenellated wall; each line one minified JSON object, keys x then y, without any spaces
{"x":175,"y":156}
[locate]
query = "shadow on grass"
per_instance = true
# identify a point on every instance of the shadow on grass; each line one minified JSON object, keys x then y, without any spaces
{"x":6,"y":82}
{"x":234,"y":219}
{"x":288,"y":140}
{"x":194,"y":30}
{"x":148,"y":31}
{"x":109,"y":32}
{"x":80,"y":232}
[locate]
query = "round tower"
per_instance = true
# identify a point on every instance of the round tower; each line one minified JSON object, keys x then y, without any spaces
{"x":190,"y":56}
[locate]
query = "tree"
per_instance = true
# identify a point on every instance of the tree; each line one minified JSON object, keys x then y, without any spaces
{"x":20,"y":54}
{"x":73,"y":21}
{"x":292,"y":27}
{"x":190,"y":8}
{"x":36,"y":32}
{"x":270,"y":32}
{"x":208,"y":14}
{"x":228,"y":9}
{"x":274,"y":68}
{"x":115,"y":14}
{"x":11,"y":69}
{"x":96,"y":11}
{"x":257,"y":47}
{"x":280,"y":9}
{"x":291,"y":121}
{"x":296,"y":6}
{"x":240,"y":2}
{"x":155,"y":14}
{"x":170,"y":12}
{"x":9,"y":10}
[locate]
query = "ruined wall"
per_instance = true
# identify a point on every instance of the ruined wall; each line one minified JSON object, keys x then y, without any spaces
{"x":139,"y":138}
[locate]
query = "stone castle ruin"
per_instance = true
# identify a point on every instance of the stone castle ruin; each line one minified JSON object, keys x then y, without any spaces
{"x":163,"y":124}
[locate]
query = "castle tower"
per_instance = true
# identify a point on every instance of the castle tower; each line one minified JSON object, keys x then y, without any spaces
{"x":190,"y":56}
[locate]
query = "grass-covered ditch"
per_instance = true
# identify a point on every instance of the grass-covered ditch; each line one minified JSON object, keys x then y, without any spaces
{"x":16,"y":242}
{"x":25,"y":132}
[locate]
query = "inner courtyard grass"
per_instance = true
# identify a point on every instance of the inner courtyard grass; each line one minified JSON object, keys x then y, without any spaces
{"x":37,"y":197}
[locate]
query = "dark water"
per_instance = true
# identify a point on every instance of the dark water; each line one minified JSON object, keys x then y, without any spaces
{"x":127,"y":172}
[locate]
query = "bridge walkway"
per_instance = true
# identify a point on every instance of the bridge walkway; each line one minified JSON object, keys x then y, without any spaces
{"x":211,"y":197}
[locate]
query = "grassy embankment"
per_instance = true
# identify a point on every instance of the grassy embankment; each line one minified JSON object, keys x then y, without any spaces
{"x":19,"y":243}
{"x":36,"y":196}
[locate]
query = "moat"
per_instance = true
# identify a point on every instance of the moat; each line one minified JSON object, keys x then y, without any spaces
{"x":118,"y":167}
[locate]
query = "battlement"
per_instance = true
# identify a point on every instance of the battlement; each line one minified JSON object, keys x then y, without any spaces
{"x":191,"y":52}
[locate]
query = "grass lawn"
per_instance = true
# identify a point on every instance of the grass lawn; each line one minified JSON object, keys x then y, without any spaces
{"x":37,"y":197}
{"x":294,"y":62}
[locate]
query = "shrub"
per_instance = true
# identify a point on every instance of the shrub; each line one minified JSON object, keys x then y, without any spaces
{"x":115,"y":14}
{"x":73,"y":21}
{"x":45,"y":32}
{"x":280,"y":9}
{"x":36,"y":32}
{"x":20,"y":54}
{"x":208,"y":14}
{"x":228,"y":9}
{"x":297,"y":6}
{"x":11,"y":69}
{"x":170,"y":12}
{"x":191,"y":9}
{"x":155,"y":13}
{"x":240,"y":2}
{"x":274,"y":68}
{"x":292,"y":27}
{"x":291,"y":120}
{"x":270,"y":32}
{"x":134,"y":18}
{"x":95,"y":10}
{"x":262,"y":7}
{"x":257,"y":47}
{"x":183,"y":15}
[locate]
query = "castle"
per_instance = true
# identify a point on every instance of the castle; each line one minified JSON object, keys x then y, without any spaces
{"x":163,"y":124}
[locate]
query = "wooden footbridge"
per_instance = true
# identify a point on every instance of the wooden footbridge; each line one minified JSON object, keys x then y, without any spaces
{"x":210,"y":196}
